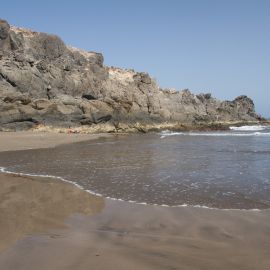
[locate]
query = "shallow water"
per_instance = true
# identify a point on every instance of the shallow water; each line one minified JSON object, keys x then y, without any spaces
{"x":227,"y":169}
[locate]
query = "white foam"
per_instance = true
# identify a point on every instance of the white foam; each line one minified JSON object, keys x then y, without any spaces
{"x":167,"y":133}
{"x":215,"y":134}
{"x":249,"y":128}
{"x":227,"y":134}
{"x":3,"y":170}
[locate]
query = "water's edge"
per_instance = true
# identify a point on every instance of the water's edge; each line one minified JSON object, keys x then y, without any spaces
{"x":4,"y":171}
{"x":255,"y":131}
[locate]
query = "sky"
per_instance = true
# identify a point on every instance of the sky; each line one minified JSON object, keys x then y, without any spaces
{"x":222,"y":47}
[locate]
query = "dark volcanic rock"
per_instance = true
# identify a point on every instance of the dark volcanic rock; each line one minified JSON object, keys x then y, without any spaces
{"x":4,"y":35}
{"x":44,"y":81}
{"x":47,"y":46}
{"x":4,"y":29}
{"x":88,"y":96}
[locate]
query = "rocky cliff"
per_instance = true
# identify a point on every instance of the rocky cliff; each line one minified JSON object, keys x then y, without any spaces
{"x":45,"y":82}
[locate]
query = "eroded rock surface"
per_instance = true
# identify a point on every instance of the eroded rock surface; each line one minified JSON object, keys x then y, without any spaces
{"x":43,"y":81}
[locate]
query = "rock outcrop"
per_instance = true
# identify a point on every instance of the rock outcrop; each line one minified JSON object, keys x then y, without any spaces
{"x":43,"y":81}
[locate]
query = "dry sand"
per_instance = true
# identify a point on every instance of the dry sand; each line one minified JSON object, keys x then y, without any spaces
{"x":49,"y":224}
{"x":10,"y":141}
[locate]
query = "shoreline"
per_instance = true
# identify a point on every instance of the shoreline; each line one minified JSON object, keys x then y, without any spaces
{"x":129,"y":128}
{"x":47,"y":137}
{"x":52,"y":139}
{"x":55,"y":225}
{"x":58,"y":178}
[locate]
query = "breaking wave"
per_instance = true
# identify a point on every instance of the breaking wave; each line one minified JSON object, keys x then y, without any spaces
{"x":167,"y":133}
{"x":249,"y":128}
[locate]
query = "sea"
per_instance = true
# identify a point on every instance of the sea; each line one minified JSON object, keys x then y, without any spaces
{"x":217,"y":169}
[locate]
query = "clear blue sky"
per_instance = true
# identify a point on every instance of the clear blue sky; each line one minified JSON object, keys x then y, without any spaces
{"x":222,"y":47}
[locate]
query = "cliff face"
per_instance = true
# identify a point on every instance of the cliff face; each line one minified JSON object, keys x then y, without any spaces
{"x":44,"y":81}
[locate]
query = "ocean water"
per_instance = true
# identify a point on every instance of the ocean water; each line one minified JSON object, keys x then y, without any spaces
{"x":217,"y":169}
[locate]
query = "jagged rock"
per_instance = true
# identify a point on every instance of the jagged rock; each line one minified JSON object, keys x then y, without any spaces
{"x":68,"y":100}
{"x":43,"y":80}
{"x":17,"y":97}
{"x":18,"y":126}
{"x":4,"y":35}
{"x":142,"y":78}
{"x":4,"y":29}
{"x":40,"y":104}
{"x":48,"y":46}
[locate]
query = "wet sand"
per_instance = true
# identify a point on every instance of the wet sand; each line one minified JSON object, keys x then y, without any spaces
{"x":49,"y":224}
{"x":36,"y":205}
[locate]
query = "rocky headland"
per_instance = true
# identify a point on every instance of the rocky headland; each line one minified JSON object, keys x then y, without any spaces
{"x":45,"y":83}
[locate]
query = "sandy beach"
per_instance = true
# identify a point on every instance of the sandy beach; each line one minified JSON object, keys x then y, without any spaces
{"x":49,"y":224}
{"x":11,"y":141}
